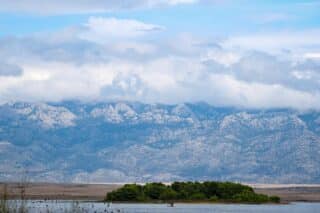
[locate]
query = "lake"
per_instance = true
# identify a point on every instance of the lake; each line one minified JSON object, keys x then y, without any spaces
{"x":61,"y":206}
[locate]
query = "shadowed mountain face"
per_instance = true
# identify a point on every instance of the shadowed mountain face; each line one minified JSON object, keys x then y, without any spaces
{"x":125,"y":142}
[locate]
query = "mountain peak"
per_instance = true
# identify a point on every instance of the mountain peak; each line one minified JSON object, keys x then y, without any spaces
{"x":126,"y":141}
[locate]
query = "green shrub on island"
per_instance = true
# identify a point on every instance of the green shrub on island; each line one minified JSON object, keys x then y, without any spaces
{"x":251,"y":197}
{"x":275,"y":199}
{"x":189,"y":191}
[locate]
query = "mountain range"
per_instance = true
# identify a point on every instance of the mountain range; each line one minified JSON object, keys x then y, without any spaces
{"x":112,"y":142}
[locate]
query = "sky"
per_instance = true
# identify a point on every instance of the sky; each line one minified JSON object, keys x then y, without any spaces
{"x":241,"y":53}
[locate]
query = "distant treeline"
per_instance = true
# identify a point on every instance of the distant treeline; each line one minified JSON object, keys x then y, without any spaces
{"x":189,"y":191}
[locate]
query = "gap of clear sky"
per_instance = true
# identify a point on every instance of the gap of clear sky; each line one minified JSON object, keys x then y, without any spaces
{"x":217,"y":17}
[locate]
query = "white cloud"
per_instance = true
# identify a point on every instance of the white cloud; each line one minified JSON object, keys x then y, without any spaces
{"x":102,"y":30}
{"x":125,"y":86}
{"x":276,"y":41}
{"x":134,"y":65}
{"x":226,"y":58}
{"x":7,"y":69}
{"x":312,"y":55}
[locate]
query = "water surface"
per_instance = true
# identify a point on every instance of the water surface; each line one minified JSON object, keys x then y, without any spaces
{"x":62,"y":206}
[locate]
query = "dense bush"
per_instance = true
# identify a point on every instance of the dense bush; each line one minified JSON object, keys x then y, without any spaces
{"x":190,"y":191}
{"x":251,"y":197}
{"x":154,"y":190}
{"x":275,"y":199}
{"x":168,"y":194}
{"x":129,"y":192}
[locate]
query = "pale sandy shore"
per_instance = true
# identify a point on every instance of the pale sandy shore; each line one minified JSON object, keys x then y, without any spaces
{"x":96,"y":192}
{"x":290,"y":192}
{"x":52,"y":191}
{"x":262,"y":186}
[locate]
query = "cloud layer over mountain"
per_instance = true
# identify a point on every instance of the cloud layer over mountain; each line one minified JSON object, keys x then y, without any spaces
{"x":108,"y":58}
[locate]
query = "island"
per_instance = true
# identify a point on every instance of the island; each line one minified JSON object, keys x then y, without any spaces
{"x":209,"y":191}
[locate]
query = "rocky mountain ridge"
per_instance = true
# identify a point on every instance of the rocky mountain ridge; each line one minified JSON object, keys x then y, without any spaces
{"x":129,"y":141}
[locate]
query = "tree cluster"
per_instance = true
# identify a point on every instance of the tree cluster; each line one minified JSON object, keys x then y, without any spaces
{"x":189,"y":191}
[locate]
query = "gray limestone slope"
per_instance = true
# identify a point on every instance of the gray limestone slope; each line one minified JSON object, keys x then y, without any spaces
{"x":129,"y":141}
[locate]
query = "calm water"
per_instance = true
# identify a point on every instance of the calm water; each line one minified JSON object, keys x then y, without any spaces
{"x":61,"y":206}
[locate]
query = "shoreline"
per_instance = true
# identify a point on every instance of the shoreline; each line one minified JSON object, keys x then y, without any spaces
{"x":97,"y":192}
